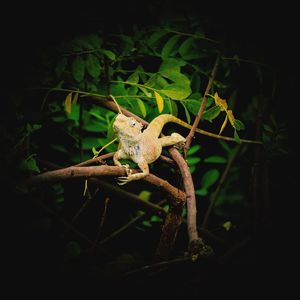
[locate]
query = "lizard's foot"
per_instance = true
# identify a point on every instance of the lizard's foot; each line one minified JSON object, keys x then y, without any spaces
{"x":125,"y":179}
{"x":180,"y":140}
{"x":127,"y":169}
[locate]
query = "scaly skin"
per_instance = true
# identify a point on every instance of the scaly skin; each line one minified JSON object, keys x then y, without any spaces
{"x":145,"y":147}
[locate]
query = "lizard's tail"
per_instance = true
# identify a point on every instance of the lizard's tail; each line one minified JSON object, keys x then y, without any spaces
{"x":157,"y":124}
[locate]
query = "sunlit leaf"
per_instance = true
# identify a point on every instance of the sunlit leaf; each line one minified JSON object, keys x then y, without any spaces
{"x":171,"y":64}
{"x":176,"y":91}
{"x":169,"y":46}
{"x":134,"y":77}
{"x":68,"y":103}
{"x":93,"y":65}
{"x":78,"y":67}
{"x":224,"y":124}
{"x":215,"y":159}
{"x":142,"y":107}
{"x":159,"y":101}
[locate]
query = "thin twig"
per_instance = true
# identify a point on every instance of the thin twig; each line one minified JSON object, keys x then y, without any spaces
{"x":101,"y":223}
{"x":202,"y":107}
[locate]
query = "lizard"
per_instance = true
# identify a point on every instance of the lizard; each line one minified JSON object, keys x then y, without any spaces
{"x":145,"y":147}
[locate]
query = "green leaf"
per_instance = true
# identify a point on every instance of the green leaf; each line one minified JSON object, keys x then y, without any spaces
{"x":185,"y":46}
{"x":177,"y":77}
{"x":225,"y":146}
{"x":134,"y":78}
{"x":268,"y":128}
{"x":201,"y":192}
{"x":59,"y":148}
{"x":193,"y":105}
{"x":75,"y":111}
{"x":145,"y":91}
{"x":211,"y":113}
{"x":193,"y":160}
{"x":171,"y":64}
{"x":210,"y":178}
{"x":145,"y":195}
{"x":155,"y":219}
{"x":169,"y":46}
{"x":29,"y":164}
{"x":109,"y":54}
{"x":92,"y":65}
{"x":94,"y":40}
{"x":147,"y":223}
{"x":239,"y":125}
{"x":142,"y":107}
{"x":215,"y":159}
{"x":94,"y":150}
{"x":187,"y":114}
{"x":78,"y":67}
{"x":194,"y":149}
{"x":156,"y":36}
{"x":236,"y":137}
{"x":176,"y":91}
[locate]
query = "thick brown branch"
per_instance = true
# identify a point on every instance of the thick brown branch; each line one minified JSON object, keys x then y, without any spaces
{"x":102,"y":171}
{"x":202,"y":107}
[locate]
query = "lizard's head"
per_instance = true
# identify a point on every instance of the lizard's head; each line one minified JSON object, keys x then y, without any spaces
{"x":127,"y":125}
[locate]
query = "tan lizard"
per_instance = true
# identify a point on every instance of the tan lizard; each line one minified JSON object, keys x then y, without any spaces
{"x":145,"y":147}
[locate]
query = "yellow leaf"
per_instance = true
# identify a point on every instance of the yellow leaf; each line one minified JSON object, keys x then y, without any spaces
{"x":227,"y":225}
{"x":223,"y":125}
{"x":159,"y":101}
{"x":231,"y":118}
{"x":68,"y":103}
{"x":75,"y":98}
{"x":220,"y":102}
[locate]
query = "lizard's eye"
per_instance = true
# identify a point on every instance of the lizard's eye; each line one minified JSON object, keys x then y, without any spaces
{"x":133,"y":123}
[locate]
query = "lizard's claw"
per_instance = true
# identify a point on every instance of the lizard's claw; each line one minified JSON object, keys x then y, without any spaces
{"x":122,"y":180}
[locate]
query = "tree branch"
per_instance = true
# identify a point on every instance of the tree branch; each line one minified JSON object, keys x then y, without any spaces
{"x":202,"y":107}
{"x":103,"y":171}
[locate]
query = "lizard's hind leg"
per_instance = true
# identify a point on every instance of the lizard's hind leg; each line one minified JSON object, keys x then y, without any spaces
{"x":174,"y":139}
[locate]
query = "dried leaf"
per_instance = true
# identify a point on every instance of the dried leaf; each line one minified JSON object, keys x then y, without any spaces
{"x":220,"y":102}
{"x":68,"y":103}
{"x":231,"y":118}
{"x":224,"y":124}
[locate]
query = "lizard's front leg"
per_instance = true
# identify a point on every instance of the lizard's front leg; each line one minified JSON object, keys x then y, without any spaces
{"x":143,"y":165}
{"x":120,"y":154}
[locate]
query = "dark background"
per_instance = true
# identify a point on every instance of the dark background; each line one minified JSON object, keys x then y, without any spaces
{"x":266,"y":37}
